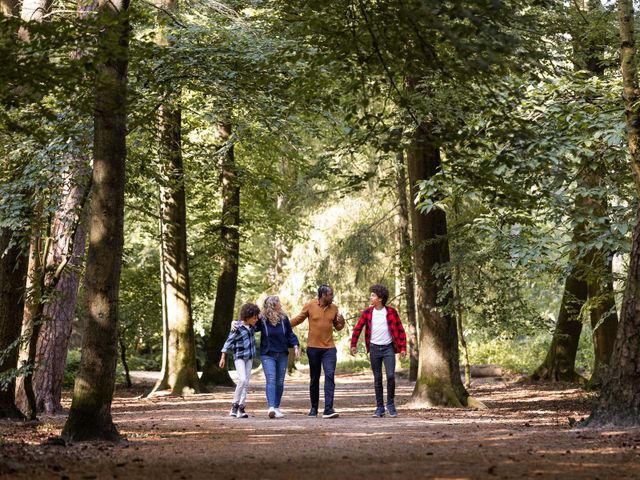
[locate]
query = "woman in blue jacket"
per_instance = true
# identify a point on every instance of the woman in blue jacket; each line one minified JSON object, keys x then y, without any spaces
{"x":275,"y":340}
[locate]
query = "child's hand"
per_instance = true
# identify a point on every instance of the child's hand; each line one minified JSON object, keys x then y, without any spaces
{"x":222,"y":360}
{"x":354,"y":350}
{"x":297,"y":352}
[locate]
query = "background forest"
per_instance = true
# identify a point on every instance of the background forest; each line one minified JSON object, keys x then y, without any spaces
{"x":474,"y":151}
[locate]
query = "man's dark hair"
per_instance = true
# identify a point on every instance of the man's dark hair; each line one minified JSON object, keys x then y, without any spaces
{"x":248,"y":310}
{"x":381,"y":291}
{"x":324,"y":288}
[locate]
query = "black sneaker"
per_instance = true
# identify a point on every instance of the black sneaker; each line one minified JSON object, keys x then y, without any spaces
{"x":379,"y":413}
{"x":391,"y":408}
{"x":234,"y":410}
{"x":241,"y":413}
{"x":330,"y":413}
{"x":313,"y":412}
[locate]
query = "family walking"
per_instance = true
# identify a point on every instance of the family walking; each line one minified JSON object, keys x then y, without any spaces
{"x":384,"y":337}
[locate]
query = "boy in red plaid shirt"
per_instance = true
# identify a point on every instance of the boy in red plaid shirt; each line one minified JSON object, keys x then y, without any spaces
{"x":384,"y":337}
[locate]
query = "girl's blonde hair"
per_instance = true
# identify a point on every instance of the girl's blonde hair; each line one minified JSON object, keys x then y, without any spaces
{"x":269,"y":310}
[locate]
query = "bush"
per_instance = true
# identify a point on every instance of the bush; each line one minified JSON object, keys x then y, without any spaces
{"x":353,"y":365}
{"x":72,"y":368}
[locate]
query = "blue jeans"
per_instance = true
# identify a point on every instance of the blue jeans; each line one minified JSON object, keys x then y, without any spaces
{"x":274,"y":365}
{"x":319,"y":359}
{"x":380,"y":354}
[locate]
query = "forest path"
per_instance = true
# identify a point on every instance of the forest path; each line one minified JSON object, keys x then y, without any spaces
{"x":524,"y":433}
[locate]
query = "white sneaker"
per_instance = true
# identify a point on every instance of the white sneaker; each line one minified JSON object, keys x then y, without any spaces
{"x":272,"y":412}
{"x":279,"y":414}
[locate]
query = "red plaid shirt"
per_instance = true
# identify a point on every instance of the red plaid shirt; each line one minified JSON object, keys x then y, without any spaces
{"x":396,"y":330}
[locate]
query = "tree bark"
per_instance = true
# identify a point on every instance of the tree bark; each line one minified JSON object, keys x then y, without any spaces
{"x":438,"y":382}
{"x":559,"y":364}
{"x":604,"y":318}
{"x":212,"y":374}
{"x":406,"y":265}
{"x":90,"y":414}
{"x":619,"y":402}
{"x":179,"y":372}
{"x":13,"y":277}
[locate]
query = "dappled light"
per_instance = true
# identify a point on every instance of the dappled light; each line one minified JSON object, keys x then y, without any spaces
{"x":525,"y":432}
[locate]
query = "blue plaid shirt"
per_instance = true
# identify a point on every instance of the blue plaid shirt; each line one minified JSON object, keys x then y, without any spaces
{"x":242,"y":341}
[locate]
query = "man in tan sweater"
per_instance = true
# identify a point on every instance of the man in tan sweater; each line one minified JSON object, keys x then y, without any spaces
{"x":323,"y":317}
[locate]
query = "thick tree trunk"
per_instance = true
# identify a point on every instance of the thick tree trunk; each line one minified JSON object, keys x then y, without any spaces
{"x":68,"y":233}
{"x":406,"y":265}
{"x":559,"y":364}
{"x":438,"y":382}
{"x":90,"y":414}
{"x":228,"y":280}
{"x":13,"y":273}
{"x":179,"y":373}
{"x":619,"y":402}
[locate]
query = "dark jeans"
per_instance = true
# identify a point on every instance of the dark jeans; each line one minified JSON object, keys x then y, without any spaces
{"x":319,"y":359}
{"x":379,"y":354}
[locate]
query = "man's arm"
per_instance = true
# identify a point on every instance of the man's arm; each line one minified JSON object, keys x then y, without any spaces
{"x":302,"y":316}
{"x":338,"y":322}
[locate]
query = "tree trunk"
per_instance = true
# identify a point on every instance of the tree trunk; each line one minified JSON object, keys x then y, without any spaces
{"x":406,"y":265}
{"x":604,"y":319}
{"x":32,"y":299}
{"x":228,"y":279}
{"x":179,"y":373}
{"x":619,"y":402}
{"x":90,"y":414}
{"x":13,"y":276}
{"x":438,"y":382}
{"x":68,"y":233}
{"x":559,"y":364}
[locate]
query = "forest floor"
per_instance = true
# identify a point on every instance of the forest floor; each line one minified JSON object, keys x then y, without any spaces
{"x":526,"y":432}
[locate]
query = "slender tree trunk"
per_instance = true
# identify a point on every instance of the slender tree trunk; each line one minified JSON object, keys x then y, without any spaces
{"x":179,"y":362}
{"x":123,"y":359}
{"x":228,"y":279}
{"x":32,"y":298}
{"x":406,"y":265}
{"x":459,"y":317}
{"x":604,"y":319}
{"x":13,"y":273}
{"x":90,"y":414}
{"x":438,"y":382}
{"x":31,"y":11}
{"x":619,"y":402}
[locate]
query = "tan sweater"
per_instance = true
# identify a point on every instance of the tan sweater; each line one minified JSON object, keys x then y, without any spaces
{"x":322,"y":320}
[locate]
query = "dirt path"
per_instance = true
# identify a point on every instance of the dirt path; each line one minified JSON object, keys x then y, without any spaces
{"x":525,"y":433}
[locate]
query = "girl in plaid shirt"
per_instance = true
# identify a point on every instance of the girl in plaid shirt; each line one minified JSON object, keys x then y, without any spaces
{"x":243,"y":343}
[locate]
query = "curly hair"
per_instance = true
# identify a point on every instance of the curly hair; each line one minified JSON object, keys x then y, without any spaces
{"x":269,"y":310}
{"x":381,"y":291}
{"x":249,"y":310}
